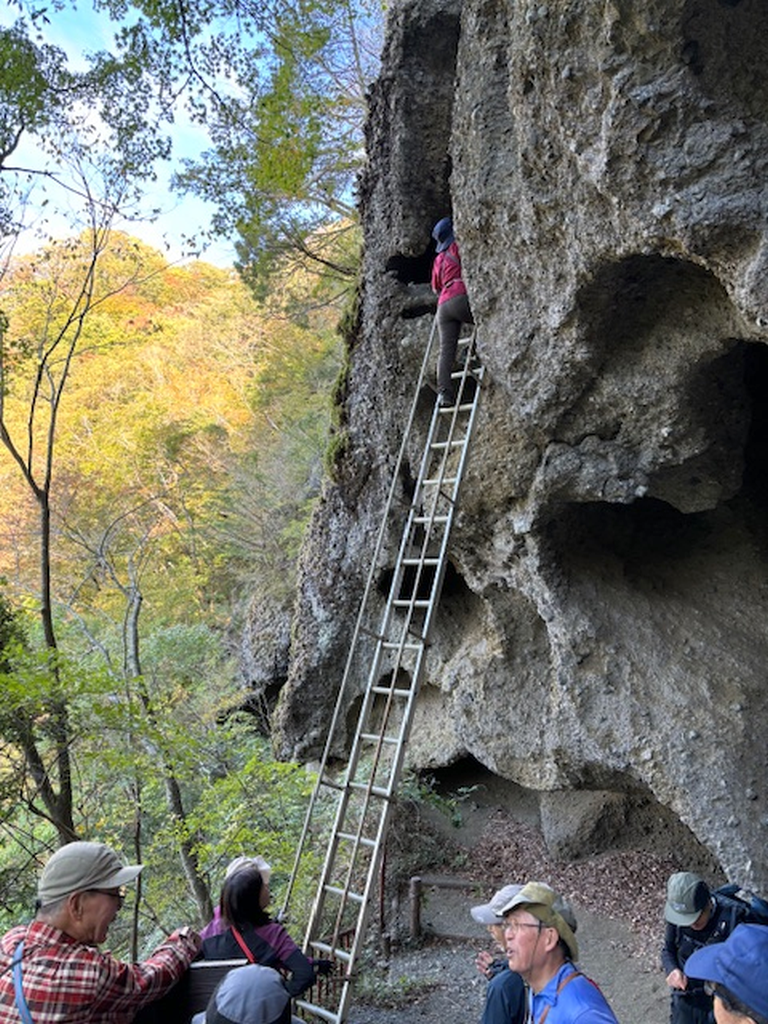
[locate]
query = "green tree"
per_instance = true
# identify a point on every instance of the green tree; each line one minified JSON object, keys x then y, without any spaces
{"x":179,"y":386}
{"x":280,"y":88}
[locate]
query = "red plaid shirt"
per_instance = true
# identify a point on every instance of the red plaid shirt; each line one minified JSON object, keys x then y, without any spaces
{"x":67,"y":982}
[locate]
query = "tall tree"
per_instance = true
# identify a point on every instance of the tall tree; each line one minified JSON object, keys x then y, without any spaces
{"x":179,"y":386}
{"x":40,"y":364}
{"x":279,"y":86}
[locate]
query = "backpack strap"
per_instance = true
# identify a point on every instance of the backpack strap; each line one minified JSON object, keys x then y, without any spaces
{"x":242,"y":944}
{"x":563,"y":982}
{"x":21,"y":1002}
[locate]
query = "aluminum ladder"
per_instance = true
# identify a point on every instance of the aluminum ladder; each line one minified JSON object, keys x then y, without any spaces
{"x":392,"y":652}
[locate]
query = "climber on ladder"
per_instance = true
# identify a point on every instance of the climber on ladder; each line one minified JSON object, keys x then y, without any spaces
{"x":452,"y":305}
{"x":387,"y":652}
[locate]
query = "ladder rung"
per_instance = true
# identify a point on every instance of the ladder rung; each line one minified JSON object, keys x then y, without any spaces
{"x":421,"y":520}
{"x":362,"y":840}
{"x":401,"y":603}
{"x":436,"y":481}
{"x":442,"y":445}
{"x":337,"y":890}
{"x":385,"y":691}
{"x":319,"y":1011}
{"x":391,"y":645}
{"x":446,"y":409}
{"x":373,"y":737}
{"x":375,"y":790}
{"x":326,"y":947}
{"x":431,"y":561}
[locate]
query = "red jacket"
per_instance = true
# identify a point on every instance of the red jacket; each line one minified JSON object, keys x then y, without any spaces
{"x":446,"y":274}
{"x":67,"y":982}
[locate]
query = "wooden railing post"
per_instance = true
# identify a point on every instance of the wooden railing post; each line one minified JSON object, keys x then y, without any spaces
{"x":414,"y":896}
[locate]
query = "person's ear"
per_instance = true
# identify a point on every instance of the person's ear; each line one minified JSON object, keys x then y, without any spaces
{"x":75,"y":905}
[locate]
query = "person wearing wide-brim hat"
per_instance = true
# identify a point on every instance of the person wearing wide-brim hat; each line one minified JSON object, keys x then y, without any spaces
{"x":52,"y":972}
{"x":736,"y":972}
{"x":539,"y":932}
{"x":253,"y":994}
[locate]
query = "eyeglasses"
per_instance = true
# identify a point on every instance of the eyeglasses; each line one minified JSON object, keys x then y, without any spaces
{"x":713,"y":989}
{"x":116,"y":894}
{"x":513,"y":927}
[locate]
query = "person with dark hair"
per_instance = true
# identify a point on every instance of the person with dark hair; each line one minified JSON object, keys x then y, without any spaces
{"x":452,"y":305}
{"x":735,"y":972}
{"x":215,"y":926}
{"x":695,"y":917}
{"x":539,"y":928}
{"x":250,"y":932}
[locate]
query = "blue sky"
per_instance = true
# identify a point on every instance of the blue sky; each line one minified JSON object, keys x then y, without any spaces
{"x":83,"y":31}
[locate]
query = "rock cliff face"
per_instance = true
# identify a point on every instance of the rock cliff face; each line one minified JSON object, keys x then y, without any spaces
{"x":605,"y":626}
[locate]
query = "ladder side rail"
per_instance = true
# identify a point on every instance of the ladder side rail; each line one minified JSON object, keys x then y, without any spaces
{"x":365,"y":906}
{"x":378,"y":731}
{"x":355,"y":752}
{"x":394,"y":771}
{"x":471,"y":411}
{"x":437,"y":583}
{"x":453,"y":506}
{"x":464,"y":454}
{"x":352,"y":954}
{"x":342,"y":807}
{"x":375,"y":862}
{"x":441,"y":452}
{"x":337,"y":711}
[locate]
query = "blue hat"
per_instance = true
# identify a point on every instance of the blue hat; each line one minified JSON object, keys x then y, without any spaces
{"x":739,"y":964}
{"x":442,"y":233}
{"x":250,"y":995}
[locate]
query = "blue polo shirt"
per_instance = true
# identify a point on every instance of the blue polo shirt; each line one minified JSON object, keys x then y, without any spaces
{"x":578,"y":1001}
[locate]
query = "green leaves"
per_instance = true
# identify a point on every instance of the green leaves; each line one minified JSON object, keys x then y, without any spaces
{"x":187,"y":451}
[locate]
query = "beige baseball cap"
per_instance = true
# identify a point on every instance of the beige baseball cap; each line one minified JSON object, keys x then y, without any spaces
{"x":80,"y":866}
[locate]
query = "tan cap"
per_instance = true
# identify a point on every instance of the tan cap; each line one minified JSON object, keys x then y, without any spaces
{"x":80,"y":866}
{"x":550,"y":908}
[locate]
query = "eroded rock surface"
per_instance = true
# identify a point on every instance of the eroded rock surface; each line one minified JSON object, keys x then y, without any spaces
{"x":605,"y":624}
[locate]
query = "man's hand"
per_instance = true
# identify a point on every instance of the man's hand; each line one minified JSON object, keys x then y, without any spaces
{"x":676,"y":979}
{"x":483,"y":963}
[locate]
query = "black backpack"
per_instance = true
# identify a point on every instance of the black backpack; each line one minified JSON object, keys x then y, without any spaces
{"x":746,"y":906}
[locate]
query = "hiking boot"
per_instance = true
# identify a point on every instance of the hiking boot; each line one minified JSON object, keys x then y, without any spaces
{"x":446,"y":397}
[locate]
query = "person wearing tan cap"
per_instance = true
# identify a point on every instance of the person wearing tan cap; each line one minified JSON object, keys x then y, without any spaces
{"x":539,"y":933}
{"x":52,"y":972}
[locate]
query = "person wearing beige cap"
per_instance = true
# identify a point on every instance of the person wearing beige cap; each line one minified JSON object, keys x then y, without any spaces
{"x":52,"y":972}
{"x":539,"y":932}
